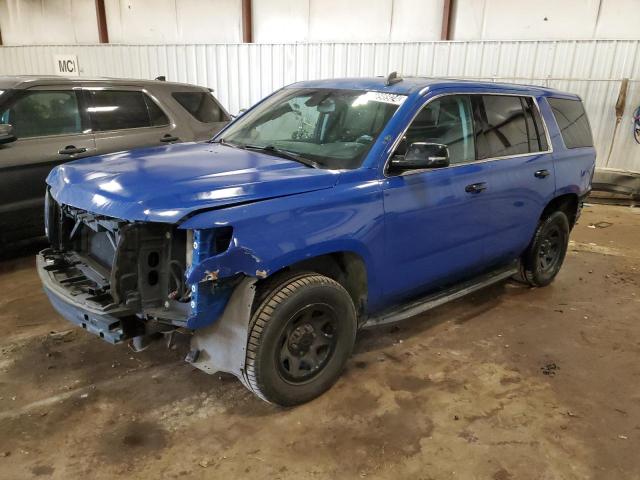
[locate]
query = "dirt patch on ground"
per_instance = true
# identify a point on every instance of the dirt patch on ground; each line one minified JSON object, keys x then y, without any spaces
{"x":510,"y":383}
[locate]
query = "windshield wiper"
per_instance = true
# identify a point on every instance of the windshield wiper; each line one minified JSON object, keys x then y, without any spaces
{"x":282,"y":153}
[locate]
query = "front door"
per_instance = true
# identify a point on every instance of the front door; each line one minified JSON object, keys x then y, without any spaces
{"x":436,"y":220}
{"x":50,"y":130}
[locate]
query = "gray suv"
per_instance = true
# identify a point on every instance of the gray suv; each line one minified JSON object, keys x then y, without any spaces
{"x":45,"y":121}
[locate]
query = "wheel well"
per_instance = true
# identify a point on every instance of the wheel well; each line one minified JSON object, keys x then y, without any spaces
{"x":346,"y":268}
{"x":568,"y":204}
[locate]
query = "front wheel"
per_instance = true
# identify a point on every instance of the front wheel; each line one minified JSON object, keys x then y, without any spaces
{"x":542,"y":261}
{"x":300,"y":339}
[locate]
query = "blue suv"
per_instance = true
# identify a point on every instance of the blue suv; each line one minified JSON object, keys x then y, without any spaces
{"x":328,"y":206}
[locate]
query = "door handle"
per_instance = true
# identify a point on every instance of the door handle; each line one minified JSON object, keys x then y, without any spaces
{"x":169,"y":138}
{"x":475,"y":187}
{"x":71,"y":150}
{"x":542,"y":173}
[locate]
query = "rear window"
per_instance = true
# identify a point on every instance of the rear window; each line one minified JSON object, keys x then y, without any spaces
{"x":201,"y":106}
{"x":572,"y":121}
{"x":122,"y":109}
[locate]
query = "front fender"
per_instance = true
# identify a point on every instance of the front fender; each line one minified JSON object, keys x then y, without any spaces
{"x":241,"y":260}
{"x":236,"y":260}
{"x":272,"y":234}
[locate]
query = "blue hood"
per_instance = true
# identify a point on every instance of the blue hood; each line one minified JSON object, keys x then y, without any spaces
{"x":163,"y":184}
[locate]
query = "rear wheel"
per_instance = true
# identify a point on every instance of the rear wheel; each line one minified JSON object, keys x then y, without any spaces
{"x":542,"y":261}
{"x":300,"y":339}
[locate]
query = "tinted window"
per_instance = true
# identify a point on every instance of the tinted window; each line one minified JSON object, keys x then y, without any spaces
{"x":201,"y":105}
{"x":120,"y":109}
{"x":156,"y":115}
{"x":40,"y":113}
{"x":502,"y":126}
{"x":537,"y":136}
{"x":572,"y":121}
{"x":446,"y":120}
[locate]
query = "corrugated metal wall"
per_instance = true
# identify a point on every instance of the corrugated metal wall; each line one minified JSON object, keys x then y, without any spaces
{"x":241,"y":74}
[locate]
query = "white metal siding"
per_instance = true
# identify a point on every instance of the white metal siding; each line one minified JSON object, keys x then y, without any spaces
{"x":28,"y":22}
{"x":242,"y":74}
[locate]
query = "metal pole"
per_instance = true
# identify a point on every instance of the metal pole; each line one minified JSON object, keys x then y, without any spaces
{"x":101,"y":16}
{"x":247,"y":27}
{"x":446,"y":20}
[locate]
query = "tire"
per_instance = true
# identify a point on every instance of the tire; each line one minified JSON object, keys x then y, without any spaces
{"x":300,"y":338}
{"x":543,"y":258}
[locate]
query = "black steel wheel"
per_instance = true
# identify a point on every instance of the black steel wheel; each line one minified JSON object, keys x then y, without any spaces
{"x":307,"y":343}
{"x":550,"y":249}
{"x":542,"y":261}
{"x":300,"y":338}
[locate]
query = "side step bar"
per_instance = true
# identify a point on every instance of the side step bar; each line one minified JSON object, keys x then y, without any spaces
{"x":439,"y":298}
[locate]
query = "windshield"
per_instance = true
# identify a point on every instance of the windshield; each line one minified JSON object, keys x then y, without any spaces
{"x":328,"y":128}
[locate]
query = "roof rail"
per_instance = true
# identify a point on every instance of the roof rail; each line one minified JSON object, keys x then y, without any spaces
{"x":392,"y":78}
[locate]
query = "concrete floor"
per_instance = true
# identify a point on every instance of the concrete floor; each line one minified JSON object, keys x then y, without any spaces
{"x":511,"y":383}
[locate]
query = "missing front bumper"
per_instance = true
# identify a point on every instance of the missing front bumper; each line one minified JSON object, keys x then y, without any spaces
{"x":78,"y":294}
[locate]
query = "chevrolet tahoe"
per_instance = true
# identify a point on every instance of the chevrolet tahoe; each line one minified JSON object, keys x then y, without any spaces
{"x":327,"y":207}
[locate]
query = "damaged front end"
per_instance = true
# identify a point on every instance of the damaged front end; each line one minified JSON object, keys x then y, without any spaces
{"x":126,"y":280}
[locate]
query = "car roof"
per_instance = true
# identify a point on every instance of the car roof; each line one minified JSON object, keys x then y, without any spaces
{"x":409,"y":85}
{"x":26,"y":81}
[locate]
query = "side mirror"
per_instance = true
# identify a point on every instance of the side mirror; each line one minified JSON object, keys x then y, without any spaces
{"x":6,"y":134}
{"x":422,"y":155}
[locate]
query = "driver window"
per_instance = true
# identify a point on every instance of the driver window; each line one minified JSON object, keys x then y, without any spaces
{"x":447,"y":120}
{"x":41,"y":113}
{"x":296,"y":121}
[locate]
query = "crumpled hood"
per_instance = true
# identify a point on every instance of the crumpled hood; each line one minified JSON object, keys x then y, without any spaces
{"x":163,"y":184}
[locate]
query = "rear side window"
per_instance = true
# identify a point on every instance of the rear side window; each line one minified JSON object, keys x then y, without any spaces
{"x":201,"y":106}
{"x":572,"y":121}
{"x":508,"y":125}
{"x":156,"y":115}
{"x":503,"y":128}
{"x":535,"y":126}
{"x":122,"y":109}
{"x":40,"y":113}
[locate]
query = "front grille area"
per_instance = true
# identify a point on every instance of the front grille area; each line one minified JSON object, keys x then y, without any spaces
{"x":101,"y":247}
{"x":134,"y":266}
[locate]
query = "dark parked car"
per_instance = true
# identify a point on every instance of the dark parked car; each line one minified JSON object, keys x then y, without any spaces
{"x":329,"y":206}
{"x":45,"y":121}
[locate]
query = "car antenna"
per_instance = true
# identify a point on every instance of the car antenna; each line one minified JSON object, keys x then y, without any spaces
{"x":392,"y":78}
{"x":161,"y":78}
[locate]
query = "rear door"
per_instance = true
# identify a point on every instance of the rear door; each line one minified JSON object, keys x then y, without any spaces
{"x":125,"y":118}
{"x":512,"y":140}
{"x":51,"y":129}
